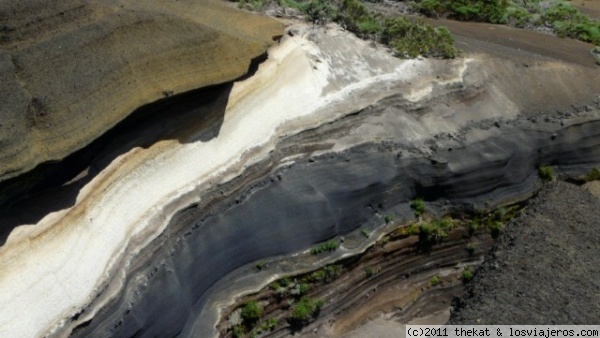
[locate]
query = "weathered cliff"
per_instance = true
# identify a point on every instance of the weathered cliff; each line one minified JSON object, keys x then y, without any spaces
{"x":326,"y":136}
{"x":70,"y":70}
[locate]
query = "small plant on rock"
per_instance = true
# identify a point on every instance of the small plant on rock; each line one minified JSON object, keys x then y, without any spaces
{"x":261,"y":265}
{"x":272,"y":324}
{"x":593,"y":175}
{"x":546,"y":173}
{"x":305,"y":309}
{"x":467,"y":274}
{"x":285,"y":281}
{"x":435,"y":280}
{"x":325,"y":247}
{"x":365,"y":233}
{"x":251,"y":312}
{"x":238,"y":331}
{"x":371,"y":271}
{"x":418,"y":206}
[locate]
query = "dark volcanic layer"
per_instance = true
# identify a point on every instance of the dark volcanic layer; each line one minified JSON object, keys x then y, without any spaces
{"x":545,"y":268}
{"x":70,"y":70}
{"x":304,"y":203}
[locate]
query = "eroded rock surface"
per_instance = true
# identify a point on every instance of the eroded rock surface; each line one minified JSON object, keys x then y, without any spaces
{"x":543,"y":271}
{"x":329,"y":133}
{"x":70,"y":70}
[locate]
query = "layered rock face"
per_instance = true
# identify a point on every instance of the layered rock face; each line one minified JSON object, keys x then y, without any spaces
{"x":71,"y":70}
{"x":330,"y":133}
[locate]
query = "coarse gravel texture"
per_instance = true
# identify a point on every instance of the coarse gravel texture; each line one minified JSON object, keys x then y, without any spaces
{"x":545,"y":269}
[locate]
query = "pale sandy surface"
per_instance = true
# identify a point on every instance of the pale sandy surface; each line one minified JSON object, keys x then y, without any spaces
{"x":593,"y":187}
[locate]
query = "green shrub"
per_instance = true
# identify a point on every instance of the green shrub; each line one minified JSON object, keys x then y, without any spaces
{"x":238,"y":331}
{"x":251,"y":312}
{"x":326,"y":274}
{"x":518,"y":16}
{"x":433,"y":232}
{"x":332,"y":272}
{"x":274,"y":286}
{"x":365,"y":233}
{"x":305,"y":309}
{"x":371,"y":271}
{"x":593,"y":175}
{"x":499,"y":214}
{"x":285,"y":281}
{"x":272,"y":324}
{"x":318,"y":10}
{"x":261,"y":265}
{"x":325,"y":247}
{"x":418,"y":206}
{"x":303,"y":288}
{"x":561,"y":16}
{"x":474,"y":225}
{"x":467,"y":274}
{"x":369,"y":26}
{"x":411,"y":39}
{"x":496,"y":229}
{"x":493,"y":11}
{"x":546,"y":173}
{"x":436,"y":230}
{"x":433,"y":8}
{"x":318,"y":276}
{"x":435,"y":280}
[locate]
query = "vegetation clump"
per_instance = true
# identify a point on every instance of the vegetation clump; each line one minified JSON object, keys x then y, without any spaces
{"x":325,"y":247}
{"x":434,"y":231}
{"x":559,"y":15}
{"x":371,"y":271}
{"x":238,"y":331}
{"x":408,"y":38}
{"x":251,"y":312}
{"x":435,"y":280}
{"x":326,"y":274}
{"x":466,"y":10}
{"x":593,"y":175}
{"x":285,"y":281}
{"x":261,"y":265}
{"x":271,"y":324}
{"x":305,"y":309}
{"x":365,"y":233}
{"x":467,"y":274}
{"x":418,"y":206}
{"x":546,"y":173}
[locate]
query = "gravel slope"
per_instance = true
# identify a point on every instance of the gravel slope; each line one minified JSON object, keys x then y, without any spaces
{"x":546,"y":267}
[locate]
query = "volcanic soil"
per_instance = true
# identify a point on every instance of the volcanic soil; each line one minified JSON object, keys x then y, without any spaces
{"x":545,"y":267}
